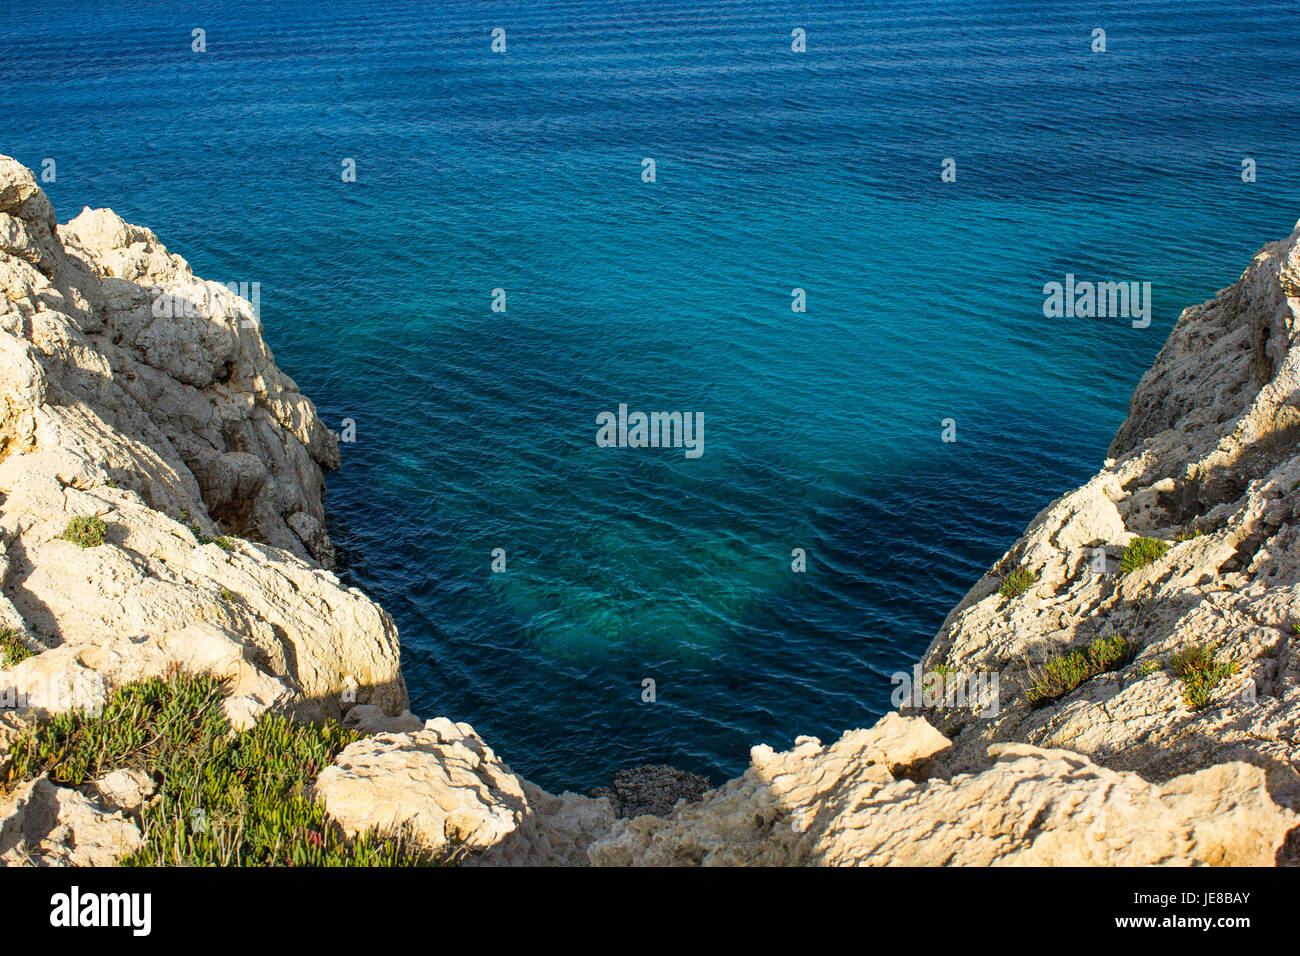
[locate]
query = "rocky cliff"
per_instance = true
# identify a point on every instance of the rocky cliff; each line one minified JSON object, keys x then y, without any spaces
{"x":1202,"y":493}
{"x":161,"y":507}
{"x":171,"y":429}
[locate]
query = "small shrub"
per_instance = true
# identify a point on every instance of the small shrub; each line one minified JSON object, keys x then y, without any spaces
{"x":1063,"y":674}
{"x":1200,"y":673}
{"x":12,"y":648}
{"x":222,"y":799}
{"x":1148,"y":668}
{"x":1141,"y":552}
{"x":1187,"y":534}
{"x":954,"y":730}
{"x":1017,"y":583}
{"x":85,"y":532}
{"x":222,"y":541}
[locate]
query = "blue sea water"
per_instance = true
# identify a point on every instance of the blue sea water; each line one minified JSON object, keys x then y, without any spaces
{"x":820,"y":170}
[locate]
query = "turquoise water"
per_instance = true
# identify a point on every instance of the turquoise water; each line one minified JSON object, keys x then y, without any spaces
{"x":775,"y":170}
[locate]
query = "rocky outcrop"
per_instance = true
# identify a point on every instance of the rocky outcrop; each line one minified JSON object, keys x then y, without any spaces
{"x":855,"y":803}
{"x":144,"y":401}
{"x":445,"y":790}
{"x":1208,"y":464}
{"x":442,"y":785}
{"x":651,"y":788}
{"x":46,"y":825}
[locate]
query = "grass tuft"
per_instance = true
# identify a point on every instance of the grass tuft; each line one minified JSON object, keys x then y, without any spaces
{"x":85,"y":532}
{"x":1063,"y":674}
{"x":1141,"y":552}
{"x":12,"y":648}
{"x":1200,"y":673}
{"x":1017,"y":583}
{"x":222,"y":799}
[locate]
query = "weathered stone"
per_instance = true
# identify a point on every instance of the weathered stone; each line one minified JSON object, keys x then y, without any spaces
{"x":46,"y":825}
{"x":135,"y":393}
{"x":1208,"y":453}
{"x":651,"y":788}
{"x":1033,"y":807}
{"x":441,"y":785}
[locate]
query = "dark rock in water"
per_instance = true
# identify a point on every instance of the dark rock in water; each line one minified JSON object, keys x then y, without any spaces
{"x":651,"y":788}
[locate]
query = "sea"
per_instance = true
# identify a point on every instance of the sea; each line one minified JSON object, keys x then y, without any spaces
{"x":822,"y":230}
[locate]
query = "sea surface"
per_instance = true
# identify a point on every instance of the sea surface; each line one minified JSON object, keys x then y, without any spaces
{"x":774,"y":170}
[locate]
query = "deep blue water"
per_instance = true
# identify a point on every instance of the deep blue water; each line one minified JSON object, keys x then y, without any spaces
{"x":821,"y":170}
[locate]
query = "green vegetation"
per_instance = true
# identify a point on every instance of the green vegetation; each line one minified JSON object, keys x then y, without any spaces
{"x":1187,"y":534}
{"x":1063,"y":674}
{"x":12,"y":648}
{"x":85,"y":532}
{"x":222,"y":541}
{"x":1196,"y":668}
{"x":1147,"y":668}
{"x":1141,"y":552}
{"x":222,"y":799}
{"x":1017,"y":583}
{"x":954,"y":730}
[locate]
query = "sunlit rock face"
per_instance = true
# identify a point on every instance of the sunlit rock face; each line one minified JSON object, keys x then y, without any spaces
{"x":1207,"y":465}
{"x":141,"y":399}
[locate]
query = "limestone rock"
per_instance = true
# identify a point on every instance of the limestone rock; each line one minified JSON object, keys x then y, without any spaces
{"x":124,"y":790}
{"x":136,"y":394}
{"x":555,"y":831}
{"x":442,"y":785}
{"x":369,"y":719}
{"x":45,"y":825}
{"x":1208,"y":462}
{"x":841,"y":806}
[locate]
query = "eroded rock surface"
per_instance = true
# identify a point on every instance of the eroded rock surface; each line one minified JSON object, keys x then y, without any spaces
{"x":848,"y":805}
{"x":1208,"y":463}
{"x":441,"y":785}
{"x":46,"y":825}
{"x":134,"y":393}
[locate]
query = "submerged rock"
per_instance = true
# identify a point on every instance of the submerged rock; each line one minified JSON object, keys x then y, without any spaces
{"x":651,"y":788}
